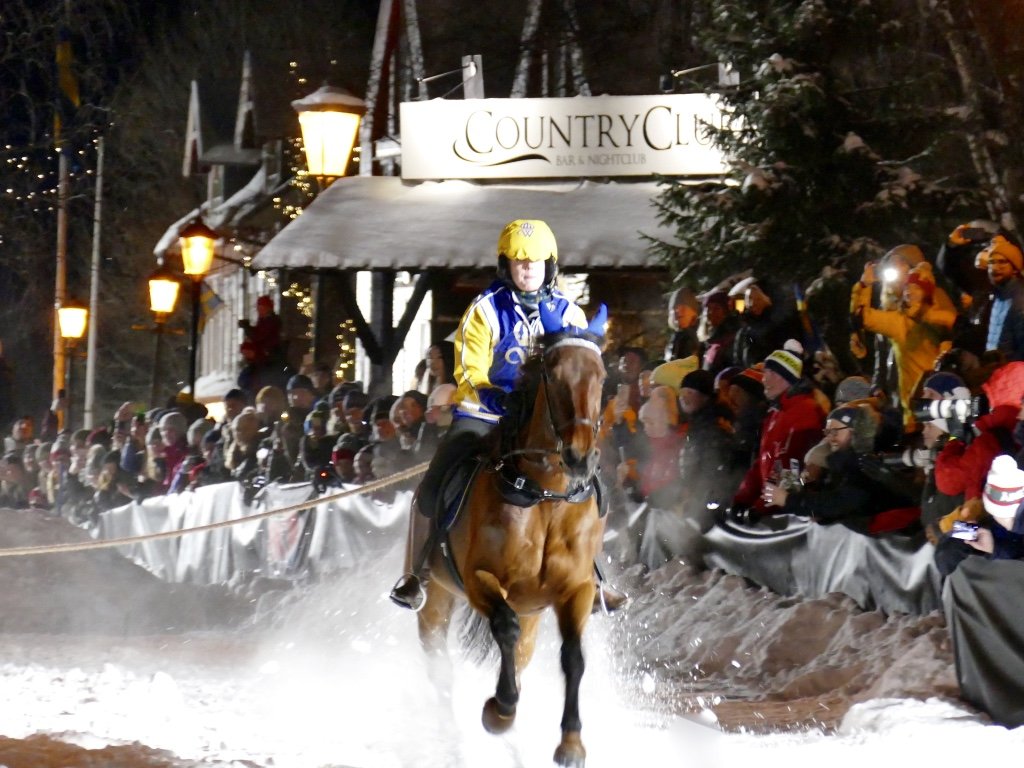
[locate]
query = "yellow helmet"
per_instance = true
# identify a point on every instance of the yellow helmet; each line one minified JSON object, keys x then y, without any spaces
{"x":528,"y":240}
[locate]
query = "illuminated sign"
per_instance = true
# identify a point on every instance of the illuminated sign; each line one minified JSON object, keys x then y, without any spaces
{"x":567,"y":137}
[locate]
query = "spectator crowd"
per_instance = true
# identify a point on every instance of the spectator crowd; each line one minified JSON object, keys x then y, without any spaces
{"x":328,"y":435}
{"x":898,"y":411}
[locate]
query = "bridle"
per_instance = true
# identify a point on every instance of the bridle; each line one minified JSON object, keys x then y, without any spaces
{"x":505,"y":465}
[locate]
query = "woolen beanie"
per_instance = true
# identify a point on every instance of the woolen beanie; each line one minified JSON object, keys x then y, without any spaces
{"x":1004,"y":488}
{"x":852,"y":388}
{"x":751,"y":382}
{"x":1008,"y":250}
{"x":725,"y":376}
{"x":670,"y":373}
{"x":700,"y":381}
{"x":786,"y":364}
{"x":300,"y":381}
{"x":947,"y":385}
{"x":844,"y":415}
{"x":356,"y":398}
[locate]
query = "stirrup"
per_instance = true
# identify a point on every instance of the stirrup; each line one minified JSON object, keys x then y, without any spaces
{"x":408,"y":593}
{"x":608,"y":600}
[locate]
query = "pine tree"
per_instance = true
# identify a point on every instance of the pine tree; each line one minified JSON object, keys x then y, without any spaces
{"x":839,"y":140}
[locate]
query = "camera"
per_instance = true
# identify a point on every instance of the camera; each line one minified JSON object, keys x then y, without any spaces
{"x":921,"y":458}
{"x":959,"y":413}
{"x":964,"y":531}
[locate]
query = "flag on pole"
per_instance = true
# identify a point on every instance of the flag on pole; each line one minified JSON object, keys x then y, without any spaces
{"x":209,"y":302}
{"x":68,"y":97}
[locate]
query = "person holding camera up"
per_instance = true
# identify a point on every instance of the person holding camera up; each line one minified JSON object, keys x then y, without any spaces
{"x":918,"y":335}
{"x":935,"y":434}
{"x":962,"y":465}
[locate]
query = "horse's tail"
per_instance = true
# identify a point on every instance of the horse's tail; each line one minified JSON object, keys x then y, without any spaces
{"x":476,"y":643}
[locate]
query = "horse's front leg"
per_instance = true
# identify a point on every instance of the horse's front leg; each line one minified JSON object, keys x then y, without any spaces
{"x":433,"y":621}
{"x":572,"y":618}
{"x":500,"y":710}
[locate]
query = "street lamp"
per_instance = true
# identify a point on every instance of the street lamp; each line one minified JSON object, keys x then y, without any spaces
{"x":329,"y":118}
{"x":163,"y":295}
{"x":72,"y":317}
{"x":197,"y":246}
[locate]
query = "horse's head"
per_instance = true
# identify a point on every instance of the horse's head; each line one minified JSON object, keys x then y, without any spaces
{"x":574,"y":374}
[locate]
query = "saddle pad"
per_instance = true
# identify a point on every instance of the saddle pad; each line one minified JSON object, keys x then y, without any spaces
{"x":455,"y":490}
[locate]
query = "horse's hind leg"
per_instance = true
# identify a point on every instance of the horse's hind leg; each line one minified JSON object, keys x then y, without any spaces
{"x":572,"y":618}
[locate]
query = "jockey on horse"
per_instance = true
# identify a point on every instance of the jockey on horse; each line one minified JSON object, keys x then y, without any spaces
{"x":492,"y":341}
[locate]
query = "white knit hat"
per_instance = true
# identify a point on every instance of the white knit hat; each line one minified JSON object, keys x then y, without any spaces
{"x":1004,"y":488}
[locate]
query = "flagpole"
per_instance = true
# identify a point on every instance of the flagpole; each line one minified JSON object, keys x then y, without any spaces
{"x":68,"y":87}
{"x":60,"y":282}
{"x":94,"y":291}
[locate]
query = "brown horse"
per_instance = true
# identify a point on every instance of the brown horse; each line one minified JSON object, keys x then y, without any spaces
{"x":515,"y":561}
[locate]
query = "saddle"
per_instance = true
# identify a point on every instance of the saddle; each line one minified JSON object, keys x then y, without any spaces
{"x":454,"y":490}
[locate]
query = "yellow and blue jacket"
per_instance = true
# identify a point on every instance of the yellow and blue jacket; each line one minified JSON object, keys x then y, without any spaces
{"x":493,"y":339}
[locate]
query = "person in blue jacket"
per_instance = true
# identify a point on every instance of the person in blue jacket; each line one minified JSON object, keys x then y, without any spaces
{"x":493,"y":339}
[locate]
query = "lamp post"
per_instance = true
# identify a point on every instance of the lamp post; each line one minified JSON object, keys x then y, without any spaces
{"x":163,"y":295}
{"x":197,"y":246}
{"x":72,"y":317}
{"x":329,"y":118}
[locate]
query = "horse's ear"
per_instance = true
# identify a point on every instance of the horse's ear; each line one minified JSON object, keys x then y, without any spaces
{"x":599,"y":321}
{"x":550,"y":320}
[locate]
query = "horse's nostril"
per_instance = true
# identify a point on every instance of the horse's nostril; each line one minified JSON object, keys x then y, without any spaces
{"x":577,"y":462}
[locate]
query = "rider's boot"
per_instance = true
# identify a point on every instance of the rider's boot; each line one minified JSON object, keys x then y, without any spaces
{"x":408,"y":592}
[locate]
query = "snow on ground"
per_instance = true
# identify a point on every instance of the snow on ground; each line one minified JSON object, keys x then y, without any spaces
{"x":101,"y":664}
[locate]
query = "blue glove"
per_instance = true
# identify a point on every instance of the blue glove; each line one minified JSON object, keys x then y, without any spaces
{"x":493,"y":399}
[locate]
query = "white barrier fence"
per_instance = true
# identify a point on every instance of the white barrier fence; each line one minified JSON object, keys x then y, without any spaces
{"x":332,"y":535}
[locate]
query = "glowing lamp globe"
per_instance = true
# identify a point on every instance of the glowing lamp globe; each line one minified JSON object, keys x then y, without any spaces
{"x":329,"y":118}
{"x":197,"y":247}
{"x":72,"y":317}
{"x":163,"y":293}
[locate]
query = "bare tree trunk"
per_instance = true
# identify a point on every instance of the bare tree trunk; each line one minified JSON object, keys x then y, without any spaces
{"x":999,"y":202}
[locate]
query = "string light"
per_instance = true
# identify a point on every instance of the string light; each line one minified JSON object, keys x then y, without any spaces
{"x":346,"y":348}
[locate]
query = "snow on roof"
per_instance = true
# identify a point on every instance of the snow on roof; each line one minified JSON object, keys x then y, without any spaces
{"x":228,"y":213}
{"x":369,"y":222}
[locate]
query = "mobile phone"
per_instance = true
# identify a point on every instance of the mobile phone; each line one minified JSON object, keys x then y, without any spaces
{"x":965,"y":531}
{"x":975,"y":234}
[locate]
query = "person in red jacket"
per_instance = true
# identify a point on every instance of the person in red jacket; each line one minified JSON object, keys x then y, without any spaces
{"x":793,"y":425}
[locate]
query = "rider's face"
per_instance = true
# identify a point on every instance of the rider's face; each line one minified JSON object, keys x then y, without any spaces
{"x":527,"y":276}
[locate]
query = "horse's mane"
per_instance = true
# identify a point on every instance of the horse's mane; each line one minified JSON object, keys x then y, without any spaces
{"x":530,"y":374}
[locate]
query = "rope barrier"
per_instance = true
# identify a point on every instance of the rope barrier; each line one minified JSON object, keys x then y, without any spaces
{"x":376,"y":485}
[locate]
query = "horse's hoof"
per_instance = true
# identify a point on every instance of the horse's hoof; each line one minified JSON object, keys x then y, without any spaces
{"x":493,"y":720}
{"x":570,"y":753}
